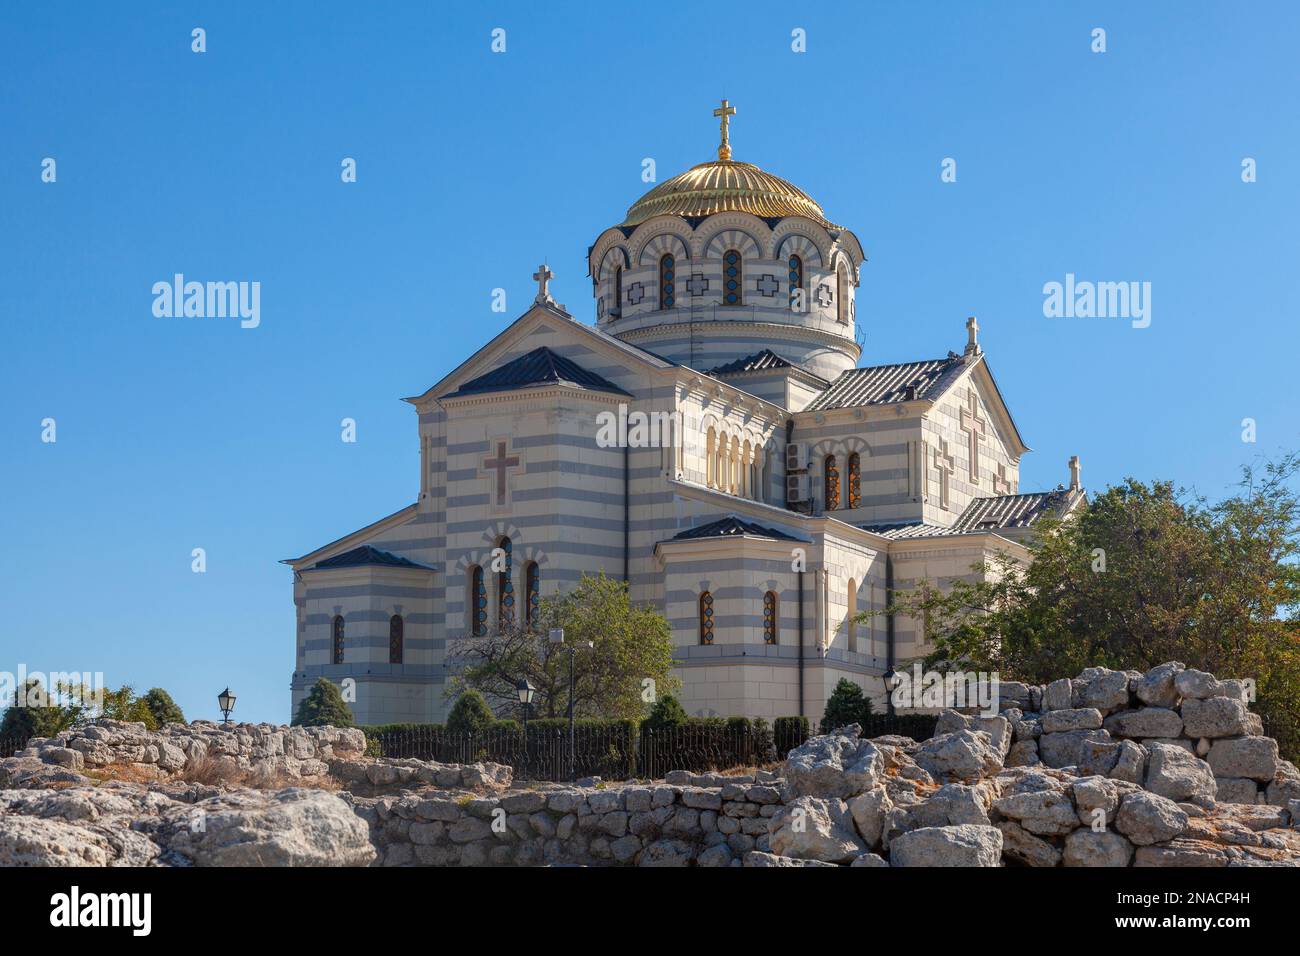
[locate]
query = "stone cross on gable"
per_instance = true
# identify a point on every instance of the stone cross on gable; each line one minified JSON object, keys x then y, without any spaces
{"x":543,"y":276}
{"x":944,"y":464}
{"x":974,"y":426}
{"x":1001,"y":484}
{"x":500,"y":464}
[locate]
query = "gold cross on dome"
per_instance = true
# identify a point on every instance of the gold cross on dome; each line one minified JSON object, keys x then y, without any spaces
{"x":725,"y":111}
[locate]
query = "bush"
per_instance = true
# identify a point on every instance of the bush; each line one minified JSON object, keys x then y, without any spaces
{"x":667,"y":712}
{"x":164,"y":709}
{"x":470,"y":714}
{"x":846,"y":705}
{"x":323,"y":707}
{"x":789,"y":732}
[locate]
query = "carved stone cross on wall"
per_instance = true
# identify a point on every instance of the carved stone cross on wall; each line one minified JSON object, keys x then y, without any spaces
{"x":1001,"y":484}
{"x":943,"y":464}
{"x":501,"y":464}
{"x":974,"y":426}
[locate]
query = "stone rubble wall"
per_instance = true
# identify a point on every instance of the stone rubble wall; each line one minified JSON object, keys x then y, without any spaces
{"x":314,"y":756}
{"x":687,"y":819}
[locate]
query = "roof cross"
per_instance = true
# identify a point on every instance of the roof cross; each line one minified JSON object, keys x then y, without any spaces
{"x":725,"y":111}
{"x":543,"y":275}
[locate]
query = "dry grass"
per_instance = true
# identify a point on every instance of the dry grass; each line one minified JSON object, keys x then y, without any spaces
{"x":210,"y":772}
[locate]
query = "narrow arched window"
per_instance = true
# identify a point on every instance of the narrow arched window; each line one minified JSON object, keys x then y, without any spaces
{"x":795,"y":277}
{"x":832,"y":469}
{"x":396,"y":637}
{"x":477,"y":602}
{"x":667,"y":281}
{"x":769,"y":617}
{"x":732,"y":277}
{"x":842,"y":294}
{"x":706,"y":618}
{"x":855,"y":480}
{"x":505,"y":561}
{"x":336,"y":639}
{"x":532,"y":594}
{"x":617,"y":310}
{"x":711,"y":460}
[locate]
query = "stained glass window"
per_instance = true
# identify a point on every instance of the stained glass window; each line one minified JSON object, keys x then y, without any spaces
{"x":855,"y":480}
{"x":706,"y":618}
{"x":796,"y":274}
{"x":396,"y":632}
{"x":769,"y":617}
{"x":617,"y":308}
{"x":832,"y":483}
{"x":532,"y":593}
{"x":731,"y":277}
{"x":506,"y":583}
{"x":667,"y":281}
{"x":478,"y":601}
{"x":337,"y":657}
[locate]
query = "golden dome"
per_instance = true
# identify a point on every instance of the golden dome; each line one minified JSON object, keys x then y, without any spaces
{"x":726,"y":186}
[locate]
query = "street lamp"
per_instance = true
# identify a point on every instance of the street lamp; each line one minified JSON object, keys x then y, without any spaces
{"x":557,"y":638}
{"x":892,"y":680}
{"x":226,"y":701}
{"x":525,"y":689}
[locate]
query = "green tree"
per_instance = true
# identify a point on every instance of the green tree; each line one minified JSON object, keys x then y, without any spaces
{"x":122,"y":704}
{"x":630,"y":645}
{"x":666,"y":714}
{"x":164,"y":709}
{"x":470,"y":714}
{"x":42,"y":714}
{"x":1144,"y":573}
{"x":323,"y":707}
{"x":846,"y":705}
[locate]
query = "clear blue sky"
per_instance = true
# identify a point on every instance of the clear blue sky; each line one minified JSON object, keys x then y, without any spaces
{"x":182,"y":433}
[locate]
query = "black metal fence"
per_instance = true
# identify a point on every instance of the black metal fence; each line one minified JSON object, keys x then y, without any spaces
{"x":616,"y":751}
{"x":11,"y":745}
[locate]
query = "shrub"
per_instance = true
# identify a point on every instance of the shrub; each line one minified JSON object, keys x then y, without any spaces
{"x":667,"y":712}
{"x":846,"y":705}
{"x":470,"y":714}
{"x":164,"y":709}
{"x":323,"y":707}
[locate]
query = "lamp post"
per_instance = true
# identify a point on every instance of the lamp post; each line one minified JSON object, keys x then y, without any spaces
{"x":226,"y":701}
{"x":525,"y":689}
{"x":892,"y":680}
{"x":557,"y":637}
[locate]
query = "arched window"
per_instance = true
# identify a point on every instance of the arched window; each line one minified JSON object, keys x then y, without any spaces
{"x":477,"y":602}
{"x":796,"y":278}
{"x":396,"y":634}
{"x":732,"y":276}
{"x":855,"y":480}
{"x":832,"y":483}
{"x":842,"y":294}
{"x":617,"y":309}
{"x":667,"y":281}
{"x":532,"y":594}
{"x":769,"y":617}
{"x":850,"y":625}
{"x":706,"y":618}
{"x":505,"y":582}
{"x":711,"y":459}
{"x":336,"y":635}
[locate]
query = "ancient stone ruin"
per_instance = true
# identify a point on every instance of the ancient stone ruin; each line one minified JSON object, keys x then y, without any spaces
{"x":1111,"y":768}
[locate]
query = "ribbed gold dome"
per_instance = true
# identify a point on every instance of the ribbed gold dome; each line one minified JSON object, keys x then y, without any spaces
{"x":726,"y":186}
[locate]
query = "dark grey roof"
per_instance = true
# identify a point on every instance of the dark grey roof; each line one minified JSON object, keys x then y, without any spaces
{"x":731,"y":525}
{"x":758,"y":362}
{"x":887,"y":384}
{"x":1013,"y":511}
{"x":998,"y":513}
{"x":537,"y":369}
{"x":364,"y":555}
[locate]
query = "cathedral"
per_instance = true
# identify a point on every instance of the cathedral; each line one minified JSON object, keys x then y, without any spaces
{"x":795,"y":490}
